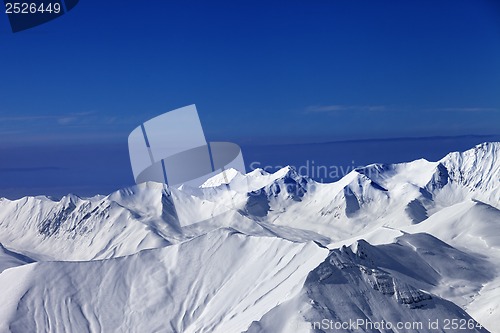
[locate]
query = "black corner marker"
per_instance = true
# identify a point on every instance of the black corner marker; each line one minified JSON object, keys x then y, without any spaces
{"x":28,"y":14}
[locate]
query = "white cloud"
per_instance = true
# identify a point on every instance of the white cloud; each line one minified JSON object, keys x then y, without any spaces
{"x":471,"y":109}
{"x":340,"y":108}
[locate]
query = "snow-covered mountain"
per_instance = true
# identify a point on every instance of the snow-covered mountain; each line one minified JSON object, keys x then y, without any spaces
{"x":415,"y":242}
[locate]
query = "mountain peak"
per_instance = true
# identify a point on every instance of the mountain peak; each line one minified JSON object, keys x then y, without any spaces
{"x":222,"y":178}
{"x":289,"y":172}
{"x":477,"y":168}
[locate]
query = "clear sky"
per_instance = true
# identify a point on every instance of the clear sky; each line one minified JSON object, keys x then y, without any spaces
{"x":258,"y":71}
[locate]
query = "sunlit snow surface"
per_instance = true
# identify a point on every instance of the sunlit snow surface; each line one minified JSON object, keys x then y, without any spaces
{"x":408,"y":242}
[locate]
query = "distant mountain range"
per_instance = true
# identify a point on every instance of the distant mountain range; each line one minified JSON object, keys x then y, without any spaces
{"x":414,"y":244}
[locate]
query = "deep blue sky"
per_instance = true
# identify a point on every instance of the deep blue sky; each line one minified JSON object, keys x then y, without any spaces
{"x":259,"y":72}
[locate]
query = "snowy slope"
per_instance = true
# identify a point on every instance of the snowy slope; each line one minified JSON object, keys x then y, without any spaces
{"x":9,"y":259}
{"x":73,"y":228}
{"x":347,"y":288}
{"x":219,"y":282}
{"x":478,"y":169}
